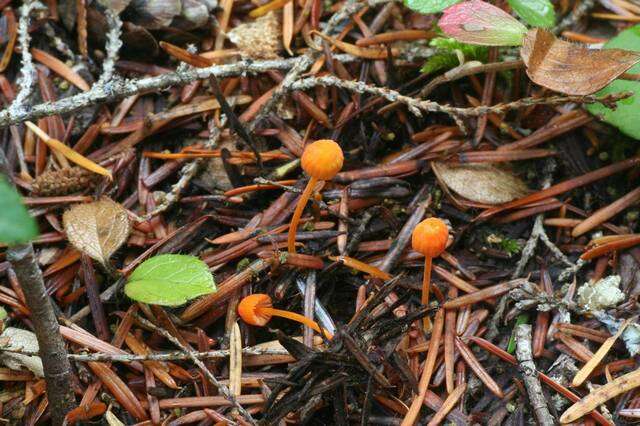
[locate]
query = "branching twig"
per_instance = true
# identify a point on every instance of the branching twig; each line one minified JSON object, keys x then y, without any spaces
{"x":222,"y":388}
{"x":168,"y":356}
{"x":28,"y":77}
{"x":119,"y":89}
{"x":538,"y":233}
{"x":304,"y":62}
{"x":188,"y":172}
{"x":417,"y":106}
{"x":112,"y":46}
{"x":530,"y":375}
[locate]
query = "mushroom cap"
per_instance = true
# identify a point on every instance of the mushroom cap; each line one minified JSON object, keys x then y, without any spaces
{"x":251,"y":309}
{"x":430,"y":237}
{"x":322,"y":159}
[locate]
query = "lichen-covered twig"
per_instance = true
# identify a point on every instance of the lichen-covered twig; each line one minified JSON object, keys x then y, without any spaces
{"x":188,"y":172}
{"x":304,"y":62}
{"x":538,"y":233}
{"x":165,"y":356}
{"x":112,"y":46}
{"x":27,"y":69}
{"x":120,"y":88}
{"x":530,"y":375}
{"x":417,"y":106}
{"x":222,"y":388}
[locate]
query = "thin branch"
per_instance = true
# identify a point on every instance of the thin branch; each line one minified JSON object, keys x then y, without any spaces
{"x":538,"y":233}
{"x":304,"y":62}
{"x":166,"y":356}
{"x":119,"y":88}
{"x":417,"y":106}
{"x":112,"y":46}
{"x":188,"y":172}
{"x":530,"y":375}
{"x":28,"y":77}
{"x":222,"y":388}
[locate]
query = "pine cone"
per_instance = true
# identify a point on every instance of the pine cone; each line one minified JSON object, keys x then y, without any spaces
{"x":64,"y":181}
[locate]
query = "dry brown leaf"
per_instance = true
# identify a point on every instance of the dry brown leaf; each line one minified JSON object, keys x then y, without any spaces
{"x":97,"y":229}
{"x":482,"y":183}
{"x":570,"y":68}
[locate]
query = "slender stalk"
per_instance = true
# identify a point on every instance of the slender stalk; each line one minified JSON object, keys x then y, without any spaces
{"x":57,"y":369}
{"x":298,"y":318}
{"x":52,"y":350}
{"x":297,"y":214}
{"x":426,"y":288}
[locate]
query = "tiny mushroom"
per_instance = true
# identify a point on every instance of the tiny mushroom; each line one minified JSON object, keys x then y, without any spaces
{"x":429,"y":238}
{"x":257,"y":310}
{"x":322,"y":160}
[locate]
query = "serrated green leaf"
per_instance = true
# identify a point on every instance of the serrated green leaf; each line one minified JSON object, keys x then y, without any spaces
{"x":537,"y":13}
{"x":440,"y":61}
{"x":16,"y":225}
{"x":446,"y":57}
{"x":170,"y":280}
{"x":429,"y":6}
{"x":626,"y":116}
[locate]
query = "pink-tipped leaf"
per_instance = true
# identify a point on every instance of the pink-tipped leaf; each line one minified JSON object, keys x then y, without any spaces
{"x":478,"y":22}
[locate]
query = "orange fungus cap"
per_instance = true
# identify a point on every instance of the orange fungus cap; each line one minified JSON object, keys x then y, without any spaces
{"x":252,"y":309}
{"x":322,"y":159}
{"x":430,"y":237}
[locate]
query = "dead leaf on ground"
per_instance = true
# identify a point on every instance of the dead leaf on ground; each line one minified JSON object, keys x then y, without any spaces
{"x":482,"y":183}
{"x":18,"y":339}
{"x":97,"y":229}
{"x":571,"y":68}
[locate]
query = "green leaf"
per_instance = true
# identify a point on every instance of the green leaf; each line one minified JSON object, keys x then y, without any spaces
{"x":170,"y":280}
{"x":446,"y":57}
{"x":626,"y":116}
{"x":16,"y":225}
{"x":429,"y":6}
{"x":537,"y":13}
{"x":520,"y":319}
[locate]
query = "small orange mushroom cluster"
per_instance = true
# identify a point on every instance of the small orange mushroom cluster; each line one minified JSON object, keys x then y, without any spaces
{"x":429,"y":238}
{"x":321,"y":160}
{"x":257,"y":309}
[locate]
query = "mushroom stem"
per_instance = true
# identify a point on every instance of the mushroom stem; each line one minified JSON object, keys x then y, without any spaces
{"x":426,"y":287}
{"x":297,"y":318}
{"x":302,"y":202}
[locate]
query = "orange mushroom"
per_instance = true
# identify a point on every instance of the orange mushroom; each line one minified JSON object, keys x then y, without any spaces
{"x":257,"y":310}
{"x":429,"y":238}
{"x":322,"y":160}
